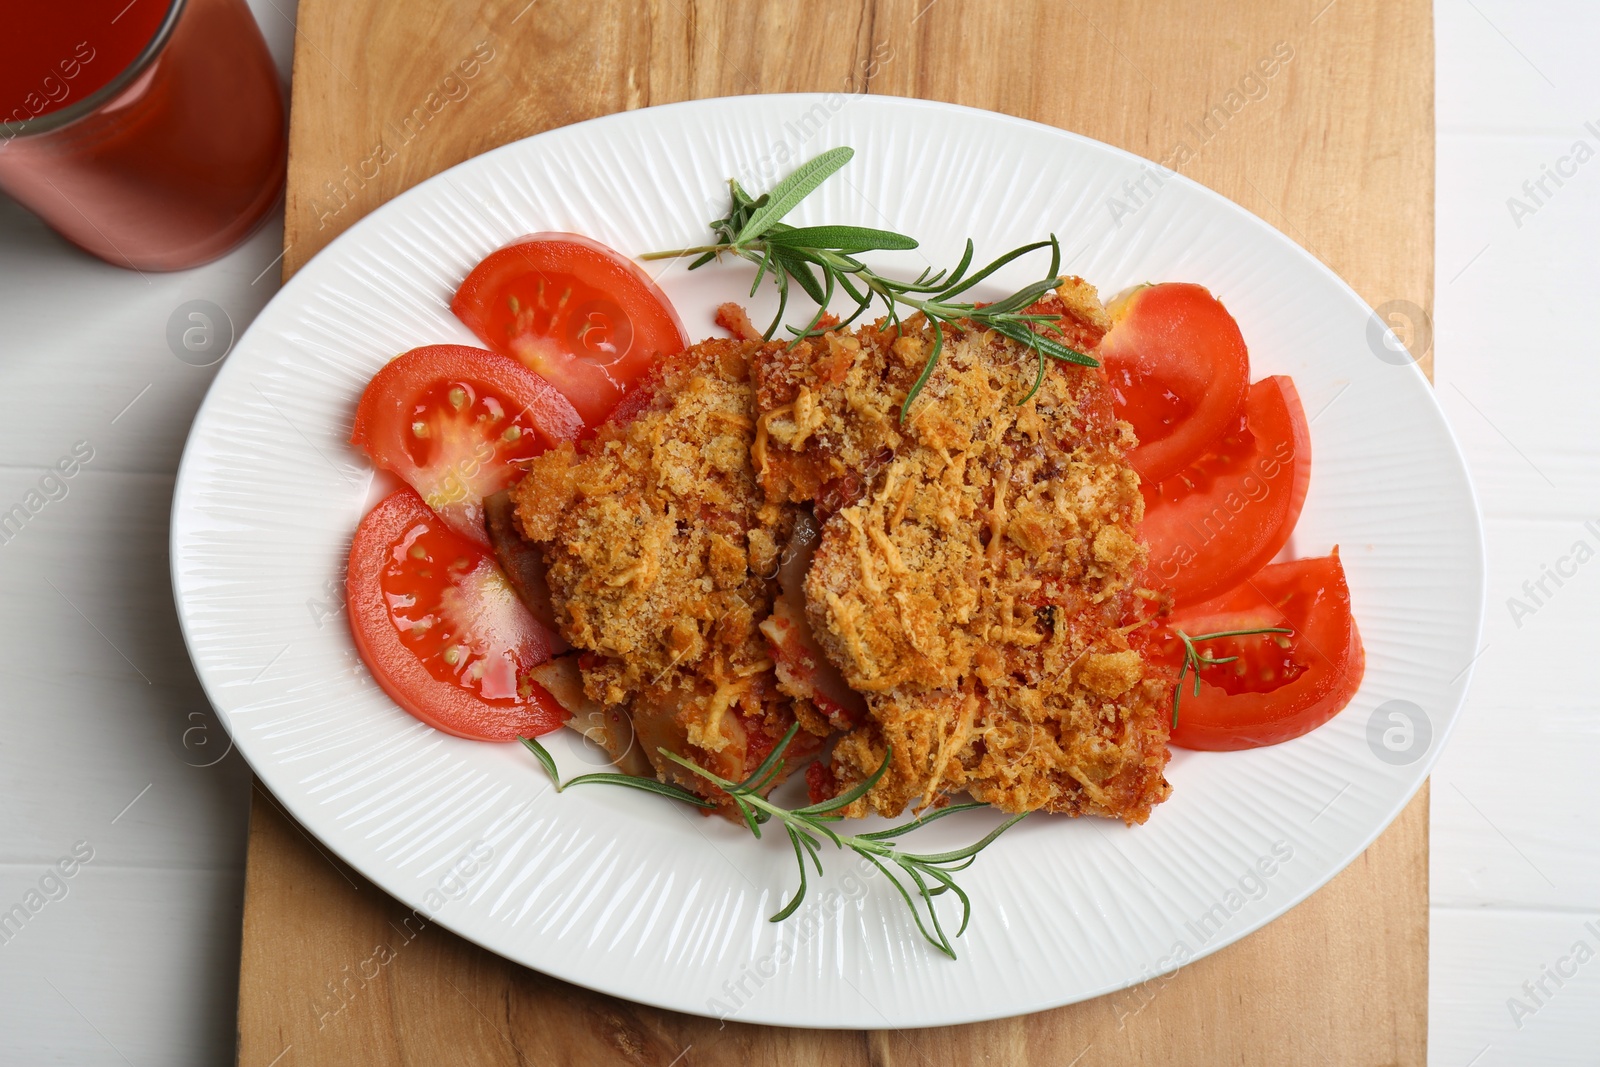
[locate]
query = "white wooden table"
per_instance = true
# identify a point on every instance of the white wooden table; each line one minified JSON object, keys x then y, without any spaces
{"x":1516,"y":796}
{"x":133,"y":959}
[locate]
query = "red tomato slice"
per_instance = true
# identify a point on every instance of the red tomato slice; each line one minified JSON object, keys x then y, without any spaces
{"x":442,"y":630}
{"x":455,"y":421}
{"x":582,"y":315}
{"x":1224,"y":517}
{"x":1179,"y":370}
{"x":1281,"y":685}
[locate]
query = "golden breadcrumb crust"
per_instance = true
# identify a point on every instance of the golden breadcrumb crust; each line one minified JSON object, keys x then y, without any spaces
{"x":661,"y":551}
{"x":976,"y":576}
{"x":978,"y":572}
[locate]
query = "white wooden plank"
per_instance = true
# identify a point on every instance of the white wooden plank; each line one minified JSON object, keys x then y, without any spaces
{"x":1495,"y":57}
{"x":1515,"y":861}
{"x":1513,"y":346}
{"x":118,"y":966}
{"x":1513,"y":988}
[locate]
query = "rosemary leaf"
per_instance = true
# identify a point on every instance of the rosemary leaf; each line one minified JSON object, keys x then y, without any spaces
{"x":1033,"y":342}
{"x":969,"y":851}
{"x":648,"y":785}
{"x":763,"y":775}
{"x":803,"y":273}
{"x":800,"y":852}
{"x":545,"y":760}
{"x":961,"y":286}
{"x":1046,"y":346}
{"x":793,"y":189}
{"x":920,"y":821}
{"x":843,"y":238}
{"x":845,"y":799}
{"x":927,"y":371}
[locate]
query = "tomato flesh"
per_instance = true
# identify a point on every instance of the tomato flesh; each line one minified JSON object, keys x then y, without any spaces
{"x":1224,"y":517}
{"x":442,"y":630}
{"x":1178,"y":369}
{"x":1281,"y":685}
{"x":578,"y":313}
{"x":455,"y":422}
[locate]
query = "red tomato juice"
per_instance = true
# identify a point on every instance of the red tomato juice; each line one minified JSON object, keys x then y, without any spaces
{"x":150,"y":132}
{"x":53,"y":54}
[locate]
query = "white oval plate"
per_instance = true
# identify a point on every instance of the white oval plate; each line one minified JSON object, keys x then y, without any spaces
{"x":630,"y":894}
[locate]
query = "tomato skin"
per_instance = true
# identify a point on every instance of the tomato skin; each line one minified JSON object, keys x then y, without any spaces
{"x":582,"y":315}
{"x":421,"y":684}
{"x":508,"y":414}
{"x":1179,"y":371}
{"x":1224,"y":517}
{"x":1247,"y":704}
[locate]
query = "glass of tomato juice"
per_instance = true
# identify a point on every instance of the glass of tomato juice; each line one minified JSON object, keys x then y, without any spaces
{"x":149,"y":133}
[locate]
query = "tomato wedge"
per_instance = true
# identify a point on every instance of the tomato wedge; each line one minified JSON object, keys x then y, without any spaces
{"x":1224,"y":517}
{"x":454,"y":422}
{"x":1280,"y":686}
{"x":1179,"y":370}
{"x":442,"y":630}
{"x":582,"y":315}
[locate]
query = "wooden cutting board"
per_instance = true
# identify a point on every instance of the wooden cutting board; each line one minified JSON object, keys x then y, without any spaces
{"x":1335,"y":148}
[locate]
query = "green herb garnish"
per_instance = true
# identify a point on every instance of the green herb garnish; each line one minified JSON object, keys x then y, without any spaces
{"x":930,"y":874}
{"x":1193,"y":659}
{"x":821,"y":260}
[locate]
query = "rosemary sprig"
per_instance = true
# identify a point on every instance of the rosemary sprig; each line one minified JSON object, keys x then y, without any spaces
{"x":929,"y":874}
{"x":1194,"y":659}
{"x":822,"y":261}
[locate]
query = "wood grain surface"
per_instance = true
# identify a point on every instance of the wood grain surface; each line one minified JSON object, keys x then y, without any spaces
{"x":1335,"y":148}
